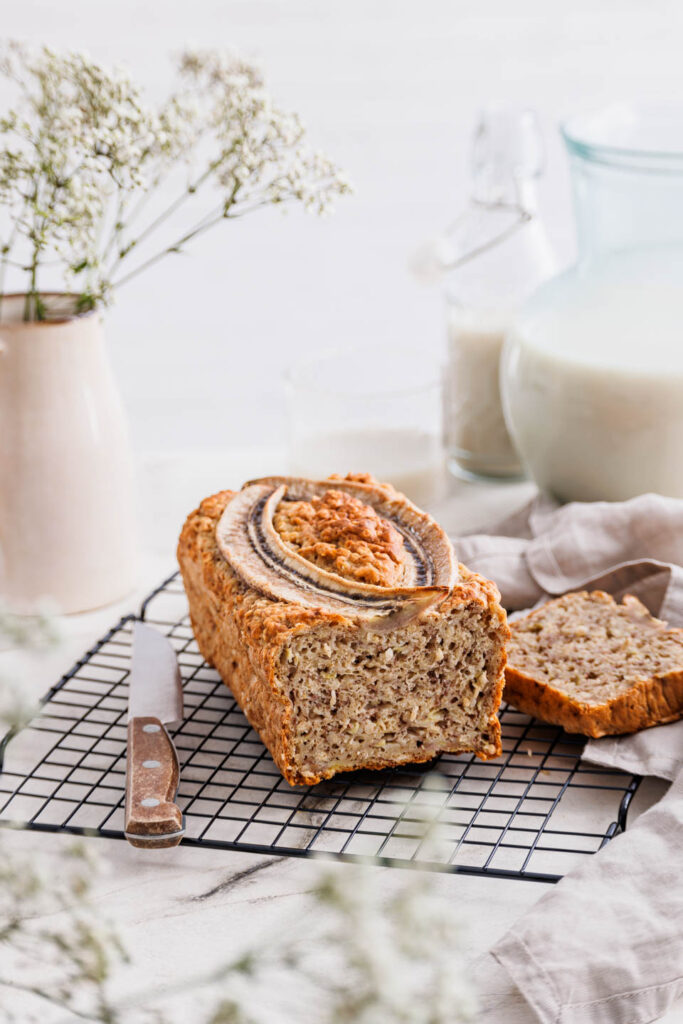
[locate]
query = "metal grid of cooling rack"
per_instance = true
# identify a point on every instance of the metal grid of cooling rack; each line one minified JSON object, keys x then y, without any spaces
{"x":532,"y":813}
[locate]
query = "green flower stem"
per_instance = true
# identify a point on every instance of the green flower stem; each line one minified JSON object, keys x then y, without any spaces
{"x":209,"y":221}
{"x":30,"y":302}
{"x":142,"y":998}
{"x":5,"y":262}
{"x":40,"y":993}
{"x":175,"y":247}
{"x":169,"y":211}
{"x":117,"y":226}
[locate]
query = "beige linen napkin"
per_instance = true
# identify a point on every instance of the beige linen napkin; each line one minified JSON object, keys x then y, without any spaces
{"x":604,"y":946}
{"x":546,"y":549}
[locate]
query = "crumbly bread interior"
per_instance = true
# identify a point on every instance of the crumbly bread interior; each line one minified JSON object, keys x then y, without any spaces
{"x":593,"y":649}
{"x":389,"y":698}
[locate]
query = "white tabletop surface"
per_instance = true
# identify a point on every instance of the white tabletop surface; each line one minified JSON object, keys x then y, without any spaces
{"x":197,"y":905}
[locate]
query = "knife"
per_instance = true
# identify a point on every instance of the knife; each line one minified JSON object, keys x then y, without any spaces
{"x":155,"y":700}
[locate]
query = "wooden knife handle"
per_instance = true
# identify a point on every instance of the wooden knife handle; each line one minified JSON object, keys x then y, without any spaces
{"x":153,"y":820}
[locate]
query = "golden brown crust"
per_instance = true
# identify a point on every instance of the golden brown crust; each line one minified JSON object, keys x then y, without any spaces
{"x":242,"y":634}
{"x":654,"y":701}
{"x":341,"y":534}
{"x":252,"y":628}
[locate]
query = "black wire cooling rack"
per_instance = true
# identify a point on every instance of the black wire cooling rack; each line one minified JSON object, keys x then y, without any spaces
{"x":532,"y":813}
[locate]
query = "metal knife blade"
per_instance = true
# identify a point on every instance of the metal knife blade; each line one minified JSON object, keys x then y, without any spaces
{"x":155,"y":686}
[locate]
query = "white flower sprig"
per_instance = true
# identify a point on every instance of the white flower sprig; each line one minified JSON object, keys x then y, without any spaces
{"x":82,"y":153}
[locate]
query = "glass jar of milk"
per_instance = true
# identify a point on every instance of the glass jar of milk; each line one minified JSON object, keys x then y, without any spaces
{"x":495,"y":255}
{"x":593,"y":370}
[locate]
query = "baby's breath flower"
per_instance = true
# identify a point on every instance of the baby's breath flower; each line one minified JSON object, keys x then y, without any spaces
{"x":83,"y":142}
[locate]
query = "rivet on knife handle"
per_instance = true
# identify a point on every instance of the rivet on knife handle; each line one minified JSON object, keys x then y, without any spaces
{"x":153,"y":820}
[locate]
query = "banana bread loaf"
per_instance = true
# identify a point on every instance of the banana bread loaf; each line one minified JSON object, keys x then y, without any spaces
{"x":338,"y":616}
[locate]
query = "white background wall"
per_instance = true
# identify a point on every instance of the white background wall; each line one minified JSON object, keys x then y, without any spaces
{"x":390,"y":89}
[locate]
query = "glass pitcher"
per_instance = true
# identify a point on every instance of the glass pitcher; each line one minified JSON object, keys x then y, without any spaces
{"x":592,"y":372}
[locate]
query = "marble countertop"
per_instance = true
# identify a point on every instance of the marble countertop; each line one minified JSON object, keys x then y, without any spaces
{"x":180,"y":910}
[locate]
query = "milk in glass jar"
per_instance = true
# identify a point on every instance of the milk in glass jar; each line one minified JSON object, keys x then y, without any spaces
{"x":592,"y":377}
{"x":492,"y":258}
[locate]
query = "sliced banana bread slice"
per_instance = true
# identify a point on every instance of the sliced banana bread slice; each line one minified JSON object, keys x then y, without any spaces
{"x":594,"y":666}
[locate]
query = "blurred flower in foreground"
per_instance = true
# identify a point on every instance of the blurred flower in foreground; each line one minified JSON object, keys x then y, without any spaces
{"x":361,"y":951}
{"x":57,"y":951}
{"x":358,"y":952}
{"x":28,"y":632}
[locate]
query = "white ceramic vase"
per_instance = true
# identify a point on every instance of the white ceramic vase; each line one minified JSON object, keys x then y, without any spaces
{"x":67,"y":524}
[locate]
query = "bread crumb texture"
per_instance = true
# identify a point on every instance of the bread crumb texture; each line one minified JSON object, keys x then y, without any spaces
{"x":594,"y":666}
